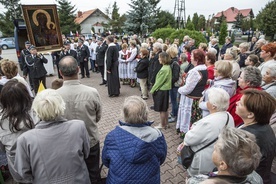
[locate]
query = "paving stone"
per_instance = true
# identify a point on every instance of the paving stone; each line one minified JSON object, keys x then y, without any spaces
{"x":171,"y":171}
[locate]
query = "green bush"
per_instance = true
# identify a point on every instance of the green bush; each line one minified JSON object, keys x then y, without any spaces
{"x":196,"y":35}
{"x":163,"y":33}
{"x":173,"y":34}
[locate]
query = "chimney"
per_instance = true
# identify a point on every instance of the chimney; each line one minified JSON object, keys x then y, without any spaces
{"x":79,"y":13}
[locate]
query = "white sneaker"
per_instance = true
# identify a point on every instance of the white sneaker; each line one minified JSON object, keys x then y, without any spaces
{"x":161,"y":127}
{"x":158,"y":127}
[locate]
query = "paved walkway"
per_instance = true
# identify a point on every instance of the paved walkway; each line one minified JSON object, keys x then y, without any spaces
{"x":171,"y":171}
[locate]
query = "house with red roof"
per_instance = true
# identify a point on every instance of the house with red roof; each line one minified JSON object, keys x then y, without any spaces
{"x":92,"y":19}
{"x":231,"y":14}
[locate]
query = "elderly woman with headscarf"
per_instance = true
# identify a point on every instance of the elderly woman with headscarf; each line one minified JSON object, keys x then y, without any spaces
{"x":54,"y":151}
{"x":256,"y":108}
{"x":236,"y":156}
{"x":207,"y":130}
{"x":134,"y":151}
{"x":249,"y":78}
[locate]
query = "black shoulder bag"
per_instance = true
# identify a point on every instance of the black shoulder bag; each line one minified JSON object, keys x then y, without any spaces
{"x":187,"y":154}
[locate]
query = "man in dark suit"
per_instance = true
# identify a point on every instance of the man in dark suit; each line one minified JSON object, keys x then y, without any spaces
{"x":66,"y":51}
{"x":35,"y":68}
{"x":100,"y":50}
{"x":25,"y":52}
{"x":83,"y":55}
{"x":227,"y":45}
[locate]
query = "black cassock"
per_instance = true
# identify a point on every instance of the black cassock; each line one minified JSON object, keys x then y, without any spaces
{"x":113,"y":82}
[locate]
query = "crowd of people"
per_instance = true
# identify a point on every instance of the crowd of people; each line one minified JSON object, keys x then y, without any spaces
{"x":222,"y":100}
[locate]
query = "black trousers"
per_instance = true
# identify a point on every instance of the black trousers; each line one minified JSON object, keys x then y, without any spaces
{"x":37,"y":81}
{"x":101,"y":69}
{"x":59,"y":76}
{"x":84,"y":66}
{"x":92,"y":163}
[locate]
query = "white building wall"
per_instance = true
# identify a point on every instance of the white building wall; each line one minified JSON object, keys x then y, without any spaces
{"x":229,"y":26}
{"x":87,"y":24}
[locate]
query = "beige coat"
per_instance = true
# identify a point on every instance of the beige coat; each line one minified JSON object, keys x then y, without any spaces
{"x":83,"y":103}
{"x":203,"y":132}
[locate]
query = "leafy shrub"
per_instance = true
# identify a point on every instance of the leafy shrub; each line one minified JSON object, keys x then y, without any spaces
{"x":179,"y":34}
{"x":163,"y":33}
{"x":196,"y":35}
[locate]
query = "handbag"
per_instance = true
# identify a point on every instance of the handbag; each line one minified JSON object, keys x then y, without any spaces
{"x":187,"y":154}
{"x":101,"y":180}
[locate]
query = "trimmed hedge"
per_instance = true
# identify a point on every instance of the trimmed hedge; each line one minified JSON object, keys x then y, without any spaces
{"x":173,"y":34}
{"x":163,"y":33}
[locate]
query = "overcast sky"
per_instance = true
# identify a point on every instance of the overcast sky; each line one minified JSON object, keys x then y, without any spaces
{"x":205,"y":7}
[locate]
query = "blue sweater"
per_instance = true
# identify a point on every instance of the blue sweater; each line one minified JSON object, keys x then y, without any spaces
{"x":131,"y":160}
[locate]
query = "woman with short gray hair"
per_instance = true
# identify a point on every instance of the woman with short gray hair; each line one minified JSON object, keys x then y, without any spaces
{"x":223,"y":74}
{"x":134,"y":151}
{"x":236,"y":156}
{"x":207,"y":130}
{"x":243,"y":54}
{"x":250,"y":78}
{"x":269,"y":79}
{"x":54,"y":151}
{"x":231,"y":55}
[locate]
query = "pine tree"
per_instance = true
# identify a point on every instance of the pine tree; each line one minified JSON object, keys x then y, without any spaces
{"x":201,"y":22}
{"x":266,"y":19}
{"x":165,"y":19}
{"x":154,"y":13}
{"x":116,"y":22}
{"x":190,"y":26}
{"x":66,"y":13}
{"x":239,"y":21}
{"x":141,"y":17}
{"x":223,"y":32}
{"x":6,"y":19}
{"x":188,"y":19}
{"x":195,"y":21}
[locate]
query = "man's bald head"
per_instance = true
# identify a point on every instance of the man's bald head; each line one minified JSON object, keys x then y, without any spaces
{"x":68,"y":67}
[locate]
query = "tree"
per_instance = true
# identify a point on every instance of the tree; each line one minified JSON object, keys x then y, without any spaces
{"x":266,"y":19}
{"x":116,"y":22}
{"x":140,"y":20}
{"x":195,"y":21}
{"x":188,"y":19}
{"x":154,"y":12}
{"x":201,"y":22}
{"x":221,"y":18}
{"x":223,"y":32}
{"x":6,"y":18}
{"x":239,"y":21}
{"x":165,"y":19}
{"x":246,"y":25}
{"x":66,"y":17}
{"x":190,"y":26}
{"x":108,"y":11}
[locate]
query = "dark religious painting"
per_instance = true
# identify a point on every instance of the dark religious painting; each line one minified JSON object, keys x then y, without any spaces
{"x":43,"y":26}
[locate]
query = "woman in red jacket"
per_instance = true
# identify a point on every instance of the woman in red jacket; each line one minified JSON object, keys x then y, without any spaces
{"x":250,"y":78}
